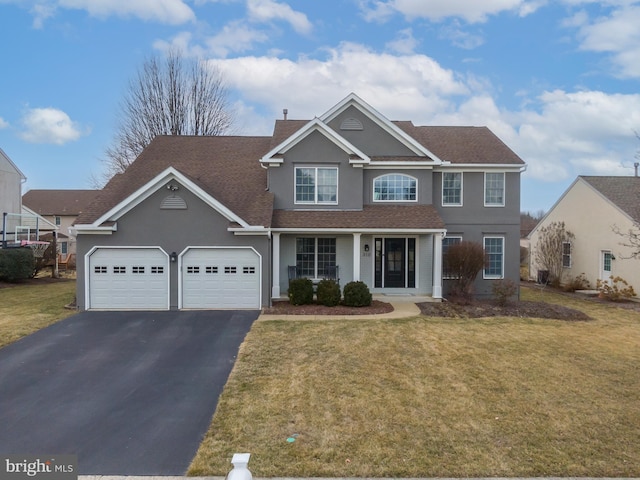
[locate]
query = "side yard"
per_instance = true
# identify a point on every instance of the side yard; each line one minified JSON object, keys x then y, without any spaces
{"x":435,"y":397}
{"x":27,"y":308}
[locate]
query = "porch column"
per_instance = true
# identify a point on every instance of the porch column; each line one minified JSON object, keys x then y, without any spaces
{"x":275,"y":267}
{"x":437,"y":265}
{"x":356,"y":257}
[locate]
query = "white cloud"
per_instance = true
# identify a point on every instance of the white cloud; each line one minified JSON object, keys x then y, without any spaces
{"x":3,"y":123}
{"x":49,"y":125}
{"x":459,"y":37}
{"x":307,"y":87}
{"x":617,"y":34}
{"x":471,"y":11}
{"x":173,"y":12}
{"x":235,"y":37}
{"x":267,"y":10}
{"x":404,"y":43}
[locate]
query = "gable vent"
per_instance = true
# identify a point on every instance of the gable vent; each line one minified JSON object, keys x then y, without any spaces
{"x":351,"y":124}
{"x":173,"y":202}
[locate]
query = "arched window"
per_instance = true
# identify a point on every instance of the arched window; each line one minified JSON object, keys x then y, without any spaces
{"x":395,"y":187}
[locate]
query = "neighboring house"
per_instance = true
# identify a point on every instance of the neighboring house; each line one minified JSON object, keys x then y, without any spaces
{"x":61,"y":208}
{"x":591,"y":208}
{"x":225,"y":222}
{"x":11,"y":180}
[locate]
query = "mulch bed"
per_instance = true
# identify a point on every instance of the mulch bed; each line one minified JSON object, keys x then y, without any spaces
{"x":285,"y":308}
{"x":478,"y":309}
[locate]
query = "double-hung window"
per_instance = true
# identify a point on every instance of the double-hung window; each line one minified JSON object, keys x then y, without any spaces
{"x":494,"y":189}
{"x":566,"y":254}
{"x":395,"y":187}
{"x":315,"y":256}
{"x":448,"y":242}
{"x":317,"y":185}
{"x":494,"y":253}
{"x":452,"y":189}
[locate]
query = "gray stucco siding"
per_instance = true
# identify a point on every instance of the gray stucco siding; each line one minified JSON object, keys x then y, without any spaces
{"x":372,"y":140}
{"x":316,"y":150}
{"x":173,"y":231}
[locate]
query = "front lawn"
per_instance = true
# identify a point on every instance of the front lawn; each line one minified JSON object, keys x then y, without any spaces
{"x":27,"y":308}
{"x":435,"y":397}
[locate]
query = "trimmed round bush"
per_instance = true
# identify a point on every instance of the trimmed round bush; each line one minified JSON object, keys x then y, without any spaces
{"x":16,"y":264}
{"x":300,"y":291}
{"x":328,"y":293}
{"x":356,"y":294}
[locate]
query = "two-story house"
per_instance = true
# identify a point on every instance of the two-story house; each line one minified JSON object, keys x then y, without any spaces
{"x":60,"y":208}
{"x":11,"y":180}
{"x":222,"y":222}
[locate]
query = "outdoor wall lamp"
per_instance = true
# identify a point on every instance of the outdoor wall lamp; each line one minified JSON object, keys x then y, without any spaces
{"x":172,"y":187}
{"x":173,"y":256}
{"x":613,"y":257}
{"x":366,"y":247}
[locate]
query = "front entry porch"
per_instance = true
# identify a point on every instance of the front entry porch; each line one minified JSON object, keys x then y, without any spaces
{"x":390,"y":263}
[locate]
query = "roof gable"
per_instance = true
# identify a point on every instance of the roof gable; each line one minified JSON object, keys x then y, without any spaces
{"x":622,"y":192}
{"x":353,"y":100}
{"x":160,"y":182}
{"x":5,"y":159}
{"x":274,"y":156}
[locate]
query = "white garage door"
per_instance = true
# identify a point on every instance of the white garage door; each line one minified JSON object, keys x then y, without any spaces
{"x":128,"y":279}
{"x":221,"y":278}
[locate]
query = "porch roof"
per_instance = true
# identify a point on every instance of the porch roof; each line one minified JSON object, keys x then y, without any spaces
{"x":383,"y":217}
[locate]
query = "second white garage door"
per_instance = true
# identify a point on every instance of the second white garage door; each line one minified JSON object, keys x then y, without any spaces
{"x":224,"y":278}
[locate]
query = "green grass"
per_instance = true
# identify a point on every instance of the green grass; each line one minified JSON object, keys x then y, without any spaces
{"x":25,"y":309}
{"x":433,"y":397}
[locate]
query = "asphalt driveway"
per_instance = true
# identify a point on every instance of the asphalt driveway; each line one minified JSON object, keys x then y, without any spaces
{"x":130,"y":393}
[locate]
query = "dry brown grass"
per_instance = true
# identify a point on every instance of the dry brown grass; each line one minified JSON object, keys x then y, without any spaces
{"x":27,"y":308}
{"x":435,"y":397}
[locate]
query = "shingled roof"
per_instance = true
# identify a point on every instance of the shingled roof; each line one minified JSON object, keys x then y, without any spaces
{"x":624,"y":192}
{"x":59,"y":202}
{"x":225,"y":167}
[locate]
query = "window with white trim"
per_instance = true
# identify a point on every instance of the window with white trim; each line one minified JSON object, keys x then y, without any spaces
{"x":494,"y":252}
{"x":315,"y":256}
{"x":395,"y":187}
{"x":452,"y":189}
{"x":566,"y":254}
{"x":447,"y":242}
{"x":316,"y":185}
{"x":494,"y":189}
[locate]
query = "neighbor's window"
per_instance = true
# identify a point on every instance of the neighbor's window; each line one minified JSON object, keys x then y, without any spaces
{"x":494,"y":252}
{"x":314,"y":256}
{"x":446,"y":243}
{"x":566,"y":254}
{"x":58,"y":220}
{"x":494,"y":189}
{"x":395,"y":188}
{"x":452,"y":188}
{"x":316,"y":185}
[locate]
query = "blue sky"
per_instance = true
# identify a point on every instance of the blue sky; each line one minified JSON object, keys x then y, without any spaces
{"x":557,"y":80}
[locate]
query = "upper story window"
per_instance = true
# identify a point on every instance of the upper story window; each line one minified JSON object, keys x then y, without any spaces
{"x":452,"y":189}
{"x":395,"y":188}
{"x":58,"y":220}
{"x":317,"y":185}
{"x":494,"y":189}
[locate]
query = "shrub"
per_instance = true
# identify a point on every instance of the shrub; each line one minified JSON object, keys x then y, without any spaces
{"x":578,"y":283}
{"x":328,"y":293}
{"x":503,"y":290}
{"x":356,"y":294}
{"x":300,"y":291}
{"x":16,"y":264}
{"x":617,"y":290}
{"x":463,"y":262}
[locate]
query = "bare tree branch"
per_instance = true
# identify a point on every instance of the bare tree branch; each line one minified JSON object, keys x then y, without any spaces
{"x":169,"y":96}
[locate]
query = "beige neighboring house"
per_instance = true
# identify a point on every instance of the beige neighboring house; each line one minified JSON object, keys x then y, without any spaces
{"x":11,"y":180}
{"x":61,"y":208}
{"x":591,"y":208}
